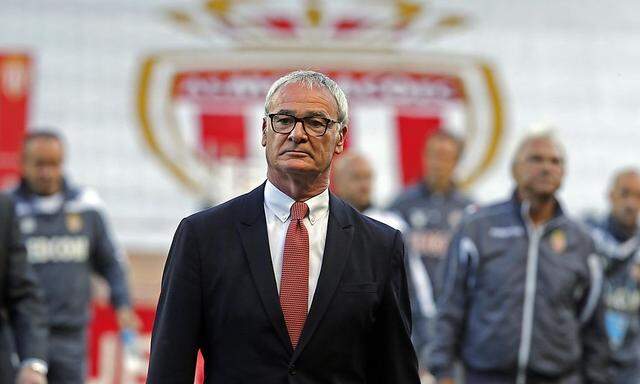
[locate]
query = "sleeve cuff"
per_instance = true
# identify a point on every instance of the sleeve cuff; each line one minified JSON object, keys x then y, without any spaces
{"x":37,"y":365}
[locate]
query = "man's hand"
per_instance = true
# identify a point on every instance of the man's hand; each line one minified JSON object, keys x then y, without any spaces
{"x":26,"y":375}
{"x":426,"y":377}
{"x":446,"y":380}
{"x":127,"y":319}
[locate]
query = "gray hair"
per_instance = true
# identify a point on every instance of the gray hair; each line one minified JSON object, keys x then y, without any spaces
{"x":311,"y":79}
{"x":544,"y":134}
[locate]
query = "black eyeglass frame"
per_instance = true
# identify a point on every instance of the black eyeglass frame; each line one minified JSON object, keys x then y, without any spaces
{"x":301,"y":120}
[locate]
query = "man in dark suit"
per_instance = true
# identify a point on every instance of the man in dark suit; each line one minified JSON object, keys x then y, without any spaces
{"x":287,"y":284}
{"x":22,"y":311}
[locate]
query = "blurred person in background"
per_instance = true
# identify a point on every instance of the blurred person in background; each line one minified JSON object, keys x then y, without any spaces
{"x":617,"y":240}
{"x":23,"y":321}
{"x":287,"y":283}
{"x":522,"y":296}
{"x":352,"y":181}
{"x":67,"y":238}
{"x":433,"y":208}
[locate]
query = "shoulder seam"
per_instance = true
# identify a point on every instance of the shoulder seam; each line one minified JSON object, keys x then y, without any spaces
{"x":486,"y":213}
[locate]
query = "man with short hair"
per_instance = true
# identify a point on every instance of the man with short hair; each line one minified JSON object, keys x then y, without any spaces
{"x":67,"y":238}
{"x":353,"y":181}
{"x":433,"y":207}
{"x":522,"y":295}
{"x":288,"y":283}
{"x":617,"y":239}
{"x":23,"y":321}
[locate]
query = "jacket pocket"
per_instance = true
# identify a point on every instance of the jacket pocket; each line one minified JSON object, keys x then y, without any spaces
{"x":359,"y":287}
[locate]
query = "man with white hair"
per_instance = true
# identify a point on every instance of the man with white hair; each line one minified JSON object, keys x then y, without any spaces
{"x":287,"y":283}
{"x":522,"y":295}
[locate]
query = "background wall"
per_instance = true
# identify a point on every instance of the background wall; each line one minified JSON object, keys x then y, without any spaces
{"x":573,"y":64}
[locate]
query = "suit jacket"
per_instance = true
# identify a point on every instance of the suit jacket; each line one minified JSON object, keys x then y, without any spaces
{"x":219,"y":295}
{"x":22,"y":310}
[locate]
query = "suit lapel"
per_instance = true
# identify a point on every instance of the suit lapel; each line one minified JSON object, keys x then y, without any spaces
{"x":255,"y":240}
{"x":336,"y":252}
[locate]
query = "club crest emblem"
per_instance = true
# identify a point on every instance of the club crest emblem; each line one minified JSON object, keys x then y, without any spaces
{"x":201,"y":110}
{"x":558,"y":241}
{"x":74,"y":222}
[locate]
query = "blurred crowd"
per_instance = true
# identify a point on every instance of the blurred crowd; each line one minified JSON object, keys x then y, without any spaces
{"x":516,"y":291}
{"x":513,"y":292}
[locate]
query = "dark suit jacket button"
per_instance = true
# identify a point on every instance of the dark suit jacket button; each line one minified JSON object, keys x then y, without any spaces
{"x":292,"y":370}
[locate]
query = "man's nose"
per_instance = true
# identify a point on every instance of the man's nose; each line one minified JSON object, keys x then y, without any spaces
{"x":46,"y":171}
{"x":548,"y":165}
{"x":298,"y":133}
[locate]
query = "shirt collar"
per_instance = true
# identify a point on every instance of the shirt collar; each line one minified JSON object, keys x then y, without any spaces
{"x":49,"y":204}
{"x":523,"y":206}
{"x":280,"y":204}
{"x":427,"y":191}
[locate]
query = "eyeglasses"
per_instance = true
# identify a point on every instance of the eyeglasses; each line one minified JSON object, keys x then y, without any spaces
{"x":313,"y":125}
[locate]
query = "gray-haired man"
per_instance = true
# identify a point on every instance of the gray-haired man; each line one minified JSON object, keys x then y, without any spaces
{"x":522,"y":295}
{"x":288,"y":283}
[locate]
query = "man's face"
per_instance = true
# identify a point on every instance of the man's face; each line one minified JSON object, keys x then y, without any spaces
{"x":625,"y":199}
{"x":353,"y":184}
{"x":42,"y":165}
{"x":539,"y":168}
{"x":440,"y":157}
{"x":299,"y":152}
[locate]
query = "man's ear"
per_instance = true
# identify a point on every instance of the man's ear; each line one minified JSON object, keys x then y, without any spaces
{"x":340,"y":140}
{"x":263,"y":141}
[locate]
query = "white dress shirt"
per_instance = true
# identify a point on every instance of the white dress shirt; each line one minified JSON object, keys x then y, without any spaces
{"x":277,"y":211}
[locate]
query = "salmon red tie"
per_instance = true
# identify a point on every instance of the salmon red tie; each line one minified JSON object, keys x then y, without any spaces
{"x":294,"y":281}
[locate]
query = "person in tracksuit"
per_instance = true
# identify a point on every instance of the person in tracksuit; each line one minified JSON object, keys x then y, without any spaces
{"x":67,"y":238}
{"x":521,"y":301}
{"x":617,"y":239}
{"x":432,"y":208}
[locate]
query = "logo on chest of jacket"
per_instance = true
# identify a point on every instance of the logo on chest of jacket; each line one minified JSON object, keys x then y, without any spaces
{"x":74,"y":222}
{"x":558,"y":241}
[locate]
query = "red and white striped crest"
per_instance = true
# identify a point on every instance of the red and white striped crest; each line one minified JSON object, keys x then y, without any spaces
{"x":202,"y":113}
